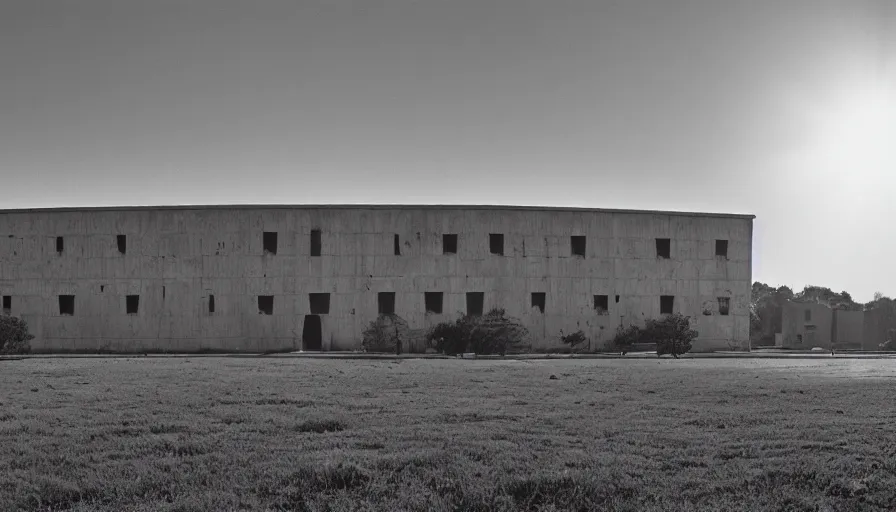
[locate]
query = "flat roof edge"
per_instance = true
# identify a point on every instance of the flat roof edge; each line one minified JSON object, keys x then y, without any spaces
{"x":372,"y":207}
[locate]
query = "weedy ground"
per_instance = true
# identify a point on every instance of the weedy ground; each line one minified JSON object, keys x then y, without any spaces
{"x":198,"y":434}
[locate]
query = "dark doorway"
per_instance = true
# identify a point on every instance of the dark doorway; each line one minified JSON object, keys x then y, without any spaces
{"x":312,"y":333}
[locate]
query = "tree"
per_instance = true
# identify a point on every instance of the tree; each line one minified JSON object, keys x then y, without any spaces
{"x":767,"y":304}
{"x":492,"y":333}
{"x":626,"y":337}
{"x":672,"y":334}
{"x":14,"y":336}
{"x":385,"y":334}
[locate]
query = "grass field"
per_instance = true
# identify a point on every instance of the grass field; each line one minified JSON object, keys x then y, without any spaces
{"x":300,"y":434}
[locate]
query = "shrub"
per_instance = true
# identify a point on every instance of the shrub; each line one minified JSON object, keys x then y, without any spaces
{"x":672,"y":334}
{"x":626,"y":337}
{"x":890,"y":344}
{"x":14,"y":336}
{"x":385,"y":334}
{"x":573,"y":340}
{"x":492,"y":333}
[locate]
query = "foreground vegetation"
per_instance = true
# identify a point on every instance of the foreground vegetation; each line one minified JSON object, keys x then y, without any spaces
{"x":149,"y":434}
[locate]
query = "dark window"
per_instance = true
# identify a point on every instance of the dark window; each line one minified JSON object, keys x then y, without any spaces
{"x":265,"y":304}
{"x":475,"y":303}
{"x":538,"y":300}
{"x":122,"y":243}
{"x":667,"y":304}
{"x":602,"y":304}
{"x":163,"y":293}
{"x":449,"y":244}
{"x":67,"y":305}
{"x":799,"y":338}
{"x":722,"y":248}
{"x":496,"y":243}
{"x":132,"y":302}
{"x":617,"y":299}
{"x":663,"y":248}
{"x":808,"y":315}
{"x":386,"y":303}
{"x":320,"y":303}
{"x":433,"y":302}
{"x":60,"y":245}
{"x":211,"y":303}
{"x":7,"y":304}
{"x":577,"y":245}
{"x":315,"y":242}
{"x":724,"y":305}
{"x":396,"y":245}
{"x":269,"y":241}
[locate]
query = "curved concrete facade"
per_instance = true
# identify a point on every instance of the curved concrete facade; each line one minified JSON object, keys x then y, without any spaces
{"x":73,"y":274}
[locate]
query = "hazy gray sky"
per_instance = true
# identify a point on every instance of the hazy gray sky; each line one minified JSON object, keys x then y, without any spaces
{"x":781,"y":108}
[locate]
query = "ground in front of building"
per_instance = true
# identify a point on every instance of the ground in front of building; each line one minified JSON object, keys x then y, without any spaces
{"x":432,"y":434}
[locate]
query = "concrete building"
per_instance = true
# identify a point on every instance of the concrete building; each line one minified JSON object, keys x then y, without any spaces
{"x":264,"y":278}
{"x":806,"y":325}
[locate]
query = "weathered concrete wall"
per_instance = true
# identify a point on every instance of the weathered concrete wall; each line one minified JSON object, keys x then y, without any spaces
{"x":849,"y":328}
{"x":806,"y":331}
{"x":877,"y":322}
{"x":177,"y":257}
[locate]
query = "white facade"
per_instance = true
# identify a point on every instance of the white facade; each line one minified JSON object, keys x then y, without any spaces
{"x":176,"y":258}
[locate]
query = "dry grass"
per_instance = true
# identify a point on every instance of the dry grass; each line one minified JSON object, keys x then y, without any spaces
{"x":299,"y":434}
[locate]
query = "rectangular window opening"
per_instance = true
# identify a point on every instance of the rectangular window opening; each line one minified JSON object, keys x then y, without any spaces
{"x":538,"y":301}
{"x":386,"y":303}
{"x":724,"y":305}
{"x":433,"y":302}
{"x":7,"y":304}
{"x":319,"y":303}
{"x":163,"y":293}
{"x":496,"y":243}
{"x":60,"y":244}
{"x":269,"y":241}
{"x":396,"y":245}
{"x":577,"y":245}
{"x":449,"y":244}
{"x":617,"y":299}
{"x":122,"y":243}
{"x":67,"y":305}
{"x":808,"y":315}
{"x":667,"y":304}
{"x":602,"y":304}
{"x":132,"y":303}
{"x":475,"y":303}
{"x":211,"y":303}
{"x":663,"y":248}
{"x":265,"y":304}
{"x":722,"y":248}
{"x":315,"y":242}
{"x":799,"y":338}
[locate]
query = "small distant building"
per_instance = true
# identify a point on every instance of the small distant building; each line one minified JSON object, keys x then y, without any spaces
{"x":877,"y":322}
{"x":806,"y":325}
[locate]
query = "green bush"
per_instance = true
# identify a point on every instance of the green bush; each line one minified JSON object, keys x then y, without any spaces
{"x":626,"y":337}
{"x":387,"y":333}
{"x":492,"y":333}
{"x":672,"y":334}
{"x":14,"y":336}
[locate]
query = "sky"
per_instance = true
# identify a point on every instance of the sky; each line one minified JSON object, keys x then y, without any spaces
{"x":785,"y":109}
